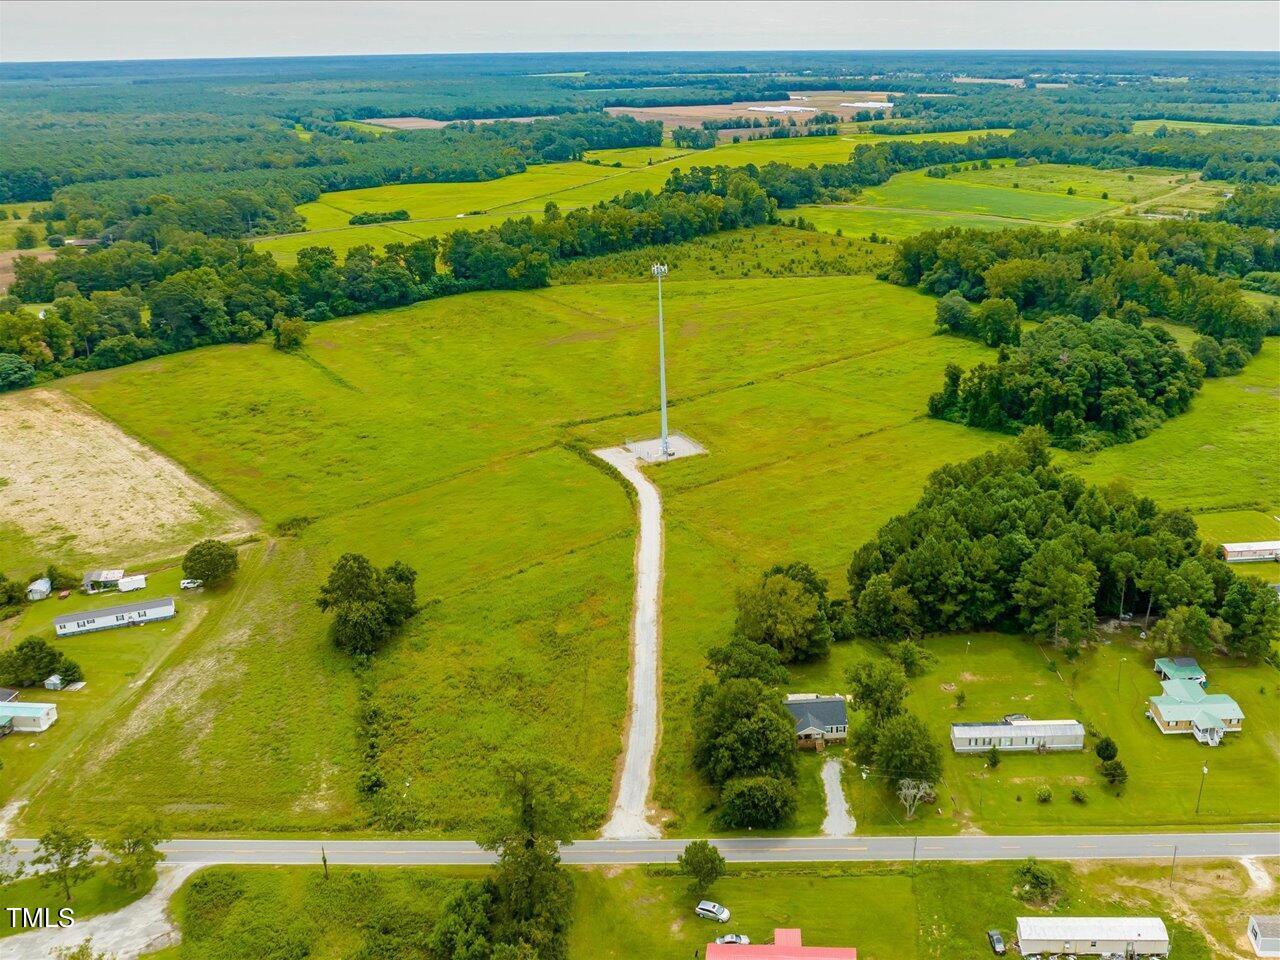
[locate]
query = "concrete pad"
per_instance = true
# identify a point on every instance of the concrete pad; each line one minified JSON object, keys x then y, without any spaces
{"x":650,"y":451}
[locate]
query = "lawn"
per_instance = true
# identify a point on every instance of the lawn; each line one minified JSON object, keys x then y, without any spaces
{"x":92,"y":896}
{"x":888,"y":911}
{"x":862,"y":220}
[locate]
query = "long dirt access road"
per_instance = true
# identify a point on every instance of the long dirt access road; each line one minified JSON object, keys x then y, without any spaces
{"x":630,"y":817}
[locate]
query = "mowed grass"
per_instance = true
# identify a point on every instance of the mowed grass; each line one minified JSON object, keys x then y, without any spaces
{"x":635,"y":156}
{"x":1200,"y":126}
{"x":862,"y":220}
{"x":114,"y":663}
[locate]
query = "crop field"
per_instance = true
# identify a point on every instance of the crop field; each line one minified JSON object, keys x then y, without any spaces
{"x":886,"y":911}
{"x":1200,"y":126}
{"x":632,"y":157}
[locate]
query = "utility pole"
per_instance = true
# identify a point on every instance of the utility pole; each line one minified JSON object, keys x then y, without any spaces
{"x":1173,"y":866}
{"x":659,"y":270}
{"x":1119,"y":667}
{"x":1204,"y":775}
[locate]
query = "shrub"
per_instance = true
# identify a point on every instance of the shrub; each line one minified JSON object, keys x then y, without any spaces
{"x":1044,"y":795}
{"x":32,"y":661}
{"x":993,"y":758}
{"x":960,"y":699}
{"x":1114,"y":772}
{"x":702,"y":864}
{"x":1079,"y":796}
{"x":756,"y":802}
{"x":1034,"y":882}
{"x":15,"y":373}
{"x":1106,"y":749}
{"x":211,"y":561}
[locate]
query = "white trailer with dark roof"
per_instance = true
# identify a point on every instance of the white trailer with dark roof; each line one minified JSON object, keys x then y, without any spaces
{"x":124,"y":615}
{"x":1093,"y":936}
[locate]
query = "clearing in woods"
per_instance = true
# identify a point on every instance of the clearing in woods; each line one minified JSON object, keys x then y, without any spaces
{"x":80,"y":491}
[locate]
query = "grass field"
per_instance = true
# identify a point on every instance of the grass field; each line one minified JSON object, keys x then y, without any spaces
{"x":888,"y":911}
{"x":862,"y":220}
{"x":9,"y":226}
{"x":632,"y":157}
{"x":915,"y":190}
{"x":1128,"y":186}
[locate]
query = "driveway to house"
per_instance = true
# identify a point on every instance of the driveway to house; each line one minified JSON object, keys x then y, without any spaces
{"x":630,"y":816}
{"x":839,"y":822}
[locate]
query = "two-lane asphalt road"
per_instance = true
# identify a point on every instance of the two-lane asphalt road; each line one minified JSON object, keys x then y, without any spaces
{"x":1143,"y":846}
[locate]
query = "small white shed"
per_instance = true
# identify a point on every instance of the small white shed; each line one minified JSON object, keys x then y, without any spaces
{"x":39,"y":589}
{"x":1093,"y":936}
{"x":54,"y":682}
{"x":1264,"y":934}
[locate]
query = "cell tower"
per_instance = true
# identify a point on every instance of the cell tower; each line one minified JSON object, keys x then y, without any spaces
{"x":659,"y":270}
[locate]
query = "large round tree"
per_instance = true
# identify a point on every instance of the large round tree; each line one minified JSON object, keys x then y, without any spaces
{"x":210,"y":561}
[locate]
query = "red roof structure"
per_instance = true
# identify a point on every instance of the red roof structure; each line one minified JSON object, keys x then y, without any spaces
{"x":786,"y":945}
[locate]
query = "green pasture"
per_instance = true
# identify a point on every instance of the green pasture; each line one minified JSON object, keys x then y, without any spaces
{"x":915,"y":190}
{"x":9,"y":226}
{"x":372,"y":128}
{"x":114,"y":663}
{"x":1128,"y":186}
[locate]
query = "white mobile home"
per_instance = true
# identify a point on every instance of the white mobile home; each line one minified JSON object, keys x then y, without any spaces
{"x":1264,"y":934}
{"x":1017,"y":733}
{"x":125,"y":615}
{"x":1248,"y":552}
{"x":27,"y":717}
{"x":1093,"y":936}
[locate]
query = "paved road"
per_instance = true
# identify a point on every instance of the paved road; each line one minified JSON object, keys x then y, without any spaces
{"x":1147,"y":846}
{"x":629,"y":818}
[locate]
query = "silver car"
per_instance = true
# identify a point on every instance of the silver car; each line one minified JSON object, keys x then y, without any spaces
{"x":709,"y":910}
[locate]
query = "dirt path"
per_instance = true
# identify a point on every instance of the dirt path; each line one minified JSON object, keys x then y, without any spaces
{"x":630,"y":816}
{"x":142,"y":927}
{"x":839,"y":821}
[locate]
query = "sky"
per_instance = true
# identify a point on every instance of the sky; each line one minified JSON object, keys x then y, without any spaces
{"x":143,"y":29}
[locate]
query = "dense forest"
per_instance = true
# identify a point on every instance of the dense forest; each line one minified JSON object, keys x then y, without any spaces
{"x":1009,"y":539}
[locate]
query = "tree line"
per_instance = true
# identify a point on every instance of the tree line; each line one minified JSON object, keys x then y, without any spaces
{"x":126,"y":302}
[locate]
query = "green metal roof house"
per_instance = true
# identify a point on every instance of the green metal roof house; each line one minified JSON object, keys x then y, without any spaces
{"x":1181,"y":668}
{"x":1184,"y":707}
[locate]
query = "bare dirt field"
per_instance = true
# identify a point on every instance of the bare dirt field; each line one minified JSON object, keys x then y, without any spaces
{"x":75,"y":488}
{"x":817,"y":100}
{"x":426,"y":123}
{"x":7,"y":257}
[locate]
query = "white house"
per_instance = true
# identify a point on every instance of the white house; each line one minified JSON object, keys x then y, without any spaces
{"x":1017,"y":732}
{"x":39,"y":589}
{"x":125,"y":615}
{"x":1254,"y":550}
{"x":96,"y":581}
{"x":28,"y":717}
{"x":1093,"y":936}
{"x":1264,"y":934}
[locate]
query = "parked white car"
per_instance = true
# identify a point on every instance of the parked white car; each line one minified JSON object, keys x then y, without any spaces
{"x":191,"y":584}
{"x":741,"y":939}
{"x":709,"y":910}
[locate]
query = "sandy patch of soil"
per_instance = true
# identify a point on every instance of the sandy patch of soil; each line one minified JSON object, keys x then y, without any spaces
{"x":73,"y":479}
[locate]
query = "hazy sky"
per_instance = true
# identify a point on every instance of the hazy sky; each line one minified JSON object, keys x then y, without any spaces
{"x":127,"y":29}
